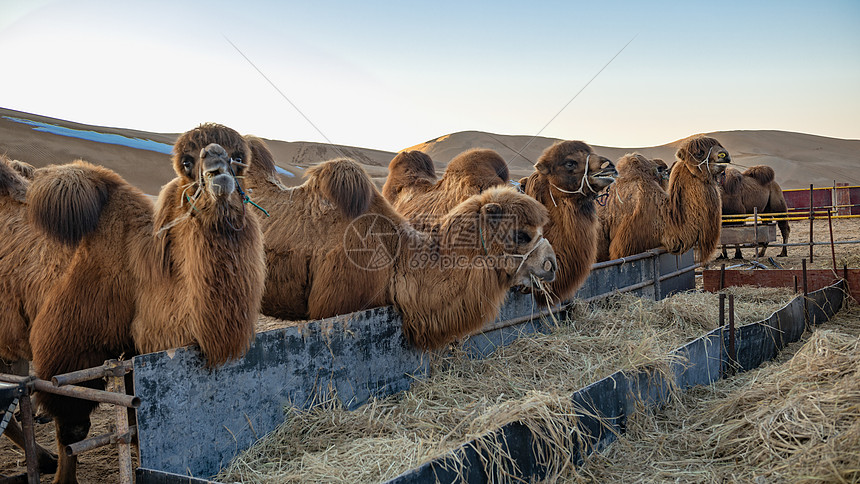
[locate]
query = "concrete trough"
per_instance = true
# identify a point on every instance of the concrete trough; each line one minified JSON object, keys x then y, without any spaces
{"x":193,"y":421}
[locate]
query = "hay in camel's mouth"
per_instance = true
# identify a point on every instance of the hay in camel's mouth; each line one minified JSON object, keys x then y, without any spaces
{"x":529,"y":381}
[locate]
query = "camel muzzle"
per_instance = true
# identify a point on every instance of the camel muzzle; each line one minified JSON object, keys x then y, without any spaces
{"x":216,"y":170}
{"x":540,"y":263}
{"x":601,"y":167}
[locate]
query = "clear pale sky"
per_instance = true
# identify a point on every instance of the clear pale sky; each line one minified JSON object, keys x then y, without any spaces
{"x":389,"y":75}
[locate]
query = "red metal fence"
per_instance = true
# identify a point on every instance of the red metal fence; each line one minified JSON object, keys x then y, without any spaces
{"x":846,"y":198}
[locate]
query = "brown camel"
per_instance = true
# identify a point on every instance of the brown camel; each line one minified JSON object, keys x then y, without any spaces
{"x":413,"y":190}
{"x":15,"y":310}
{"x":568,"y":177}
{"x":756,"y":188}
{"x":334,"y":245}
{"x":112,"y":275}
{"x":642,"y":216}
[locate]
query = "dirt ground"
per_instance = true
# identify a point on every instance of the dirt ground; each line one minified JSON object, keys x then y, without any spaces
{"x":100,"y":466}
{"x":822,"y":257}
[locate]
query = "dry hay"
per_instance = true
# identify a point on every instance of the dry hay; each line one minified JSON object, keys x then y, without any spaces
{"x":795,"y":419}
{"x":529,"y":381}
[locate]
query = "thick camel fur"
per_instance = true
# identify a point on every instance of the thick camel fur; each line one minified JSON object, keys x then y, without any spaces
{"x":19,"y":281}
{"x":325,"y":260}
{"x":413,"y":190}
{"x":639,"y":215}
{"x":756,"y":188}
{"x":118,"y":276}
{"x":568,"y":177}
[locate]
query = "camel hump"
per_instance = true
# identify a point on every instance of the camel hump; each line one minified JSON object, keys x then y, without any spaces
{"x":261,"y":156}
{"x":481,"y":162}
{"x":344,"y":183}
{"x":65,"y":202}
{"x":763,"y":174}
{"x":733,"y":180}
{"x":26,"y":170}
{"x":414,"y":163}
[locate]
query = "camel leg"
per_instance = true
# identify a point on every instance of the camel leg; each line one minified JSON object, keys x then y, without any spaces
{"x":69,"y":432}
{"x":46,"y":459}
{"x":762,"y":251}
{"x":785,"y":229}
{"x":738,"y":254}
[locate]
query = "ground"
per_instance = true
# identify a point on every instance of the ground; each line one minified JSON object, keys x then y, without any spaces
{"x":100,"y":466}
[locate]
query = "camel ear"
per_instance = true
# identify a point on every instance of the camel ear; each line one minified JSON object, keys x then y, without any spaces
{"x":492,"y":209}
{"x":492,"y":212}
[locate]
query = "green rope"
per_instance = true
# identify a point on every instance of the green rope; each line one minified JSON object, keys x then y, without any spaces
{"x":481,"y":232}
{"x":248,"y":200}
{"x":191,"y":202}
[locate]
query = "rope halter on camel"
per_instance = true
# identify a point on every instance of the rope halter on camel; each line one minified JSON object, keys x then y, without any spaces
{"x":526,"y":255}
{"x":705,"y":161}
{"x":582,"y":184}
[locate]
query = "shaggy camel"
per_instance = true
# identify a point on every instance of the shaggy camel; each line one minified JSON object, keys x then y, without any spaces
{"x":334,"y":245}
{"x":14,"y":332}
{"x":102,"y":273}
{"x":642,"y":216}
{"x":413,"y":190}
{"x":636,"y":175}
{"x":568,"y":177}
{"x":756,"y":188}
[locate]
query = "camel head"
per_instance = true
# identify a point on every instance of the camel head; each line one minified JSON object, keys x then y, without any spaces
{"x":505,"y":228}
{"x":703,"y":156}
{"x":635,"y":165}
{"x":13,"y":183}
{"x":572,"y":167}
{"x":663,"y":169}
{"x":209,"y":159}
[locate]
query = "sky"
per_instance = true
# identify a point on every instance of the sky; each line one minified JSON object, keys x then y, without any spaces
{"x":392,"y":74}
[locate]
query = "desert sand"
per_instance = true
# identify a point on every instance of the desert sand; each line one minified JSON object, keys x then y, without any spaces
{"x":798,"y":159}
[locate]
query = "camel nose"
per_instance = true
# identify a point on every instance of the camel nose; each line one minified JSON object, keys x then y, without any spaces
{"x":549,"y":267}
{"x":215,"y":159}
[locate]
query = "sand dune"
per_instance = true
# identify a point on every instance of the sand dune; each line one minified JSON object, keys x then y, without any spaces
{"x":143,"y":158}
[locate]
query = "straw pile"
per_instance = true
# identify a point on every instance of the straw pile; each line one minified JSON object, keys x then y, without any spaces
{"x":529,"y":381}
{"x":796,"y":419}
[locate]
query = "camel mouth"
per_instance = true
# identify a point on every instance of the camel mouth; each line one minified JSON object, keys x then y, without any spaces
{"x":220,"y":185}
{"x":600,"y":181}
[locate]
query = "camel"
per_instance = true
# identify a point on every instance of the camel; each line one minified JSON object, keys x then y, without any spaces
{"x":104,"y":274}
{"x":755,"y":188}
{"x":568,"y":177}
{"x":14,"y":330}
{"x":413,"y":190}
{"x":335,"y":245}
{"x":642,"y":216}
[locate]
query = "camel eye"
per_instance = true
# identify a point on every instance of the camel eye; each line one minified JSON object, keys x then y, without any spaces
{"x":187,"y":163}
{"x":237,"y":158}
{"x":523,"y":238}
{"x":570,"y":164}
